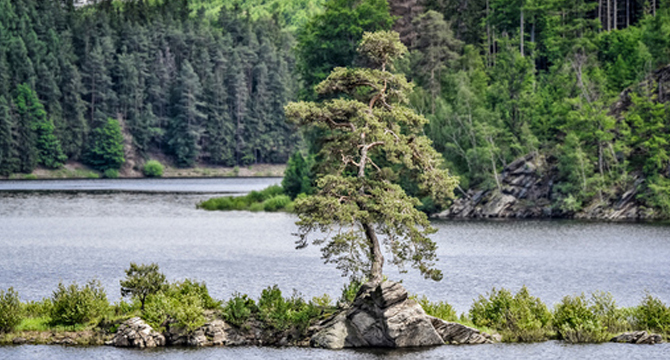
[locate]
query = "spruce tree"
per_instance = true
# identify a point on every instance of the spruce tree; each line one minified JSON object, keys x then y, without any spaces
{"x":186,"y":124}
{"x":8,"y":156}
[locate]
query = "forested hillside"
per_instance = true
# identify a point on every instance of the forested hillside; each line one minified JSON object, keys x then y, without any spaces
{"x":206,"y":81}
{"x":200,"y":89}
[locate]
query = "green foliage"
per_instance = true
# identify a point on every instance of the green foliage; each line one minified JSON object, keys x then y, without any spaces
{"x":11,"y":310}
{"x":276,"y":203}
{"x":37,"y":132}
{"x":76,"y":304}
{"x":111,"y":174}
{"x":142,"y":281}
{"x":350,"y":290}
{"x":521,"y":317}
{"x":576,"y":322}
{"x":328,"y":40}
{"x":282,"y":313}
{"x":368,"y":137}
{"x":239,"y":309}
{"x":106,"y":146}
{"x":153,"y":168}
{"x":181,"y":304}
{"x":269,"y":199}
{"x":652,"y":315}
{"x":298,"y":177}
{"x":441,"y":310}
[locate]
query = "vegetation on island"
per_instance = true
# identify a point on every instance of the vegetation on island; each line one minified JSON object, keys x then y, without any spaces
{"x":187,"y":305}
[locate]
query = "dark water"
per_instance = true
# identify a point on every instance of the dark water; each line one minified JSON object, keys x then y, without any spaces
{"x":49,"y":237}
{"x":199,"y":185}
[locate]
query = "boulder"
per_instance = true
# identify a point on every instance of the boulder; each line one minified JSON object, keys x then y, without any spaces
{"x":638,"y":337}
{"x":138,"y":334}
{"x":459,"y":334}
{"x":382,"y":315}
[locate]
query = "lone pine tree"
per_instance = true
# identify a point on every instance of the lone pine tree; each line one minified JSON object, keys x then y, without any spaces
{"x":370,"y":139}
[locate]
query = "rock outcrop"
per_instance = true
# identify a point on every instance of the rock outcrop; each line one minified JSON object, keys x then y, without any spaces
{"x":212,"y":333}
{"x":527,"y":191}
{"x":382,"y":315}
{"x":638,"y":337}
{"x":138,"y":334}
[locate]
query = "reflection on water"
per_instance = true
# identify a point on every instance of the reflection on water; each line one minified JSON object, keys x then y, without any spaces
{"x":48,"y":237}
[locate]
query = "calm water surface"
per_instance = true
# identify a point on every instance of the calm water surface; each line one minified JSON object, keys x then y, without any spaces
{"x":47,"y":237}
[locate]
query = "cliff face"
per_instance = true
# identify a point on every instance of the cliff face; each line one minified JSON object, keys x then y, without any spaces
{"x":527,"y":184}
{"x":527,"y":191}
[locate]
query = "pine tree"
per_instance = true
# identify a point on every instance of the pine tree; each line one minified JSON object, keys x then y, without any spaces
{"x":37,"y":138}
{"x":75,"y":127}
{"x":356,"y":197}
{"x":106,"y":146}
{"x":8,"y":155}
{"x":186,"y":124}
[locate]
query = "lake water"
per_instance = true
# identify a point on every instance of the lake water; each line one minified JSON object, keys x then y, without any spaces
{"x":66,"y":235}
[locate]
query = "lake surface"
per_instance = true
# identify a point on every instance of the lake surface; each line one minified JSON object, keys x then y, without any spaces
{"x":47,"y":237}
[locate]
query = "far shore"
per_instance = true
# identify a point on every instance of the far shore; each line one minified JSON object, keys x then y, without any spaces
{"x":76,"y":170}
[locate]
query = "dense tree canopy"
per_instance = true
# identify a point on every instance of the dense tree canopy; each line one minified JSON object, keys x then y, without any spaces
{"x":370,"y":136}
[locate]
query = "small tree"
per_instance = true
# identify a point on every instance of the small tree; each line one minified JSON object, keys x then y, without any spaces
{"x":141,"y":281}
{"x":11,"y":311}
{"x":370,"y":139}
{"x":106,"y":147}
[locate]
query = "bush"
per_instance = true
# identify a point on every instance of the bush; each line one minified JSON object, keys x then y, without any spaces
{"x":111,"y":174}
{"x":153,"y":168}
{"x":239,"y":309}
{"x":614,"y":319}
{"x":276,"y":203}
{"x":280,"y":313}
{"x":576,"y":322}
{"x":518,"y":318}
{"x":269,"y":199}
{"x":182,"y":304}
{"x":30,"y":177}
{"x":74,"y":305}
{"x":350,"y":290}
{"x":441,"y":310}
{"x":11,"y":311}
{"x":652,"y":315}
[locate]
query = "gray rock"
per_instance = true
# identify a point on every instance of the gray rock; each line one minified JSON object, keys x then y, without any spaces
{"x":638,"y":337}
{"x":458,"y":334}
{"x":383,"y":316}
{"x":138,"y":334}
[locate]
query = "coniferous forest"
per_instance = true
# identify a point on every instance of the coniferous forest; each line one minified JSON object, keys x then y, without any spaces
{"x":582,"y":83}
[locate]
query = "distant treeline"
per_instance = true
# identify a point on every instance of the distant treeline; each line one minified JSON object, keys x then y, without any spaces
{"x":199,"y":89}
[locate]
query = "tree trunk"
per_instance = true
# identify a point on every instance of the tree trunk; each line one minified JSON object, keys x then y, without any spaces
{"x":376,"y":256}
{"x":609,"y":19}
{"x":600,"y":12}
{"x":615,"y":16}
{"x":627,"y":13}
{"x":521,"y":32}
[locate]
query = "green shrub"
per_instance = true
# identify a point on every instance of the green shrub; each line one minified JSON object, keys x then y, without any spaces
{"x":36,"y":309}
{"x":111,"y":174}
{"x":276,"y":203}
{"x":269,"y":199}
{"x":441,"y":310}
{"x":30,"y":177}
{"x":11,"y":310}
{"x":182,"y":304}
{"x":78,"y":305}
{"x":521,"y":317}
{"x":238,"y":309}
{"x":279,"y":313}
{"x":652,"y":315}
{"x":350,"y":290}
{"x":576,"y":322}
{"x":153,"y":168}
{"x":614,"y":319}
